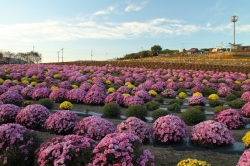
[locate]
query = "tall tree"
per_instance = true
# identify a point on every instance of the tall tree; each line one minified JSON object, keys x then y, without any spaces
{"x":155,"y":50}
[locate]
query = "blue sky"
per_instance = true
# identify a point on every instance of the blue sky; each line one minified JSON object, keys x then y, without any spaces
{"x":112,"y":28}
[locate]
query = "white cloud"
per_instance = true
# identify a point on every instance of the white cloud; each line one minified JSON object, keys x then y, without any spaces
{"x":218,"y":6}
{"x":135,"y":7}
{"x":208,"y":24}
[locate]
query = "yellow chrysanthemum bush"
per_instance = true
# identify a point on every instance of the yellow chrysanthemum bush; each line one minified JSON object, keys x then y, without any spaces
{"x":74,"y":86}
{"x":180,"y":79}
{"x":33,"y":77}
{"x":16,"y":81}
{"x":152,"y":92}
{"x":56,"y":76}
{"x":33,"y":83}
{"x":130,"y":86}
{"x":192,"y":162}
{"x":213,"y":97}
{"x":182,"y":95}
{"x":197,"y":94}
{"x":246,"y":139}
{"x":54,"y":88}
{"x":108,"y":82}
{"x":111,"y":90}
{"x":89,"y":80}
{"x":127,"y":83}
{"x":125,"y":94}
{"x":1,"y":81}
{"x":66,"y":105}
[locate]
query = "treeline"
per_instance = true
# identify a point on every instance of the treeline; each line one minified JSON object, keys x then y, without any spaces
{"x":28,"y":57}
{"x":154,"y":51}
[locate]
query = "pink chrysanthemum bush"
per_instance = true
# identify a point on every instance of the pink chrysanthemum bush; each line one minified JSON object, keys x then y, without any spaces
{"x":244,"y":159}
{"x":94,"y":127}
{"x":33,"y":116}
{"x":62,"y":122}
{"x":17,"y":145}
{"x":232,"y":118}
{"x":197,"y":100}
{"x":121,"y":149}
{"x":8,"y":113}
{"x":114,"y":97}
{"x":144,"y":95}
{"x":65,"y":150}
{"x":211,"y":134}
{"x":169,"y":128}
{"x":223,"y":91}
{"x":94,"y":97}
{"x":58,"y":95}
{"x":169,"y":93}
{"x":132,"y":100}
{"x":65,"y":85}
{"x":40,"y":93}
{"x":16,"y":88}
{"x":12,"y":98}
{"x":27,"y":92}
{"x":246,"y":96}
{"x":76,"y":95}
{"x":245,"y":110}
{"x":135,"y":126}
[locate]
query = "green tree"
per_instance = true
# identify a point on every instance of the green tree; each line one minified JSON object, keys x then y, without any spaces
{"x":155,"y":50}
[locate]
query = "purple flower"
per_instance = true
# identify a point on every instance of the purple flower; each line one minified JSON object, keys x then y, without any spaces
{"x":114,"y":97}
{"x":58,"y":95}
{"x":40,"y":93}
{"x":144,"y":95}
{"x":11,"y":98}
{"x":245,"y":110}
{"x":169,"y":93}
{"x":76,"y":95}
{"x":94,"y":97}
{"x":8,"y":113}
{"x":85,"y":86}
{"x":246,"y":96}
{"x":197,"y":100}
{"x":132,"y":100}
{"x":27,"y":92}
{"x":124,"y":89}
{"x":65,"y":85}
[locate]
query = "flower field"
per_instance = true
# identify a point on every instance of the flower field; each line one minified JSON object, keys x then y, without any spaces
{"x":162,"y":105}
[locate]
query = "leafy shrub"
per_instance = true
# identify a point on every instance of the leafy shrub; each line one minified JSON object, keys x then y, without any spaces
{"x":208,"y":91}
{"x":200,"y":108}
{"x":136,"y":84}
{"x":138,"y":111}
{"x":26,"y":103}
{"x":159,"y":113}
{"x":46,"y":102}
{"x":152,"y":105}
{"x":112,"y":110}
{"x":177,"y":101}
{"x":117,"y":86}
{"x":231,"y":97}
{"x":174,"y":107}
{"x":18,"y":145}
{"x":181,"y":89}
{"x":79,"y":151}
{"x":238,"y":93}
{"x":159,"y":99}
{"x":218,"y":109}
{"x":66,"y":105}
{"x":214,"y":103}
{"x":193,"y":116}
{"x":238,"y":103}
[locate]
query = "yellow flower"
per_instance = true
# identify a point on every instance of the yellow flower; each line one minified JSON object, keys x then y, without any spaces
{"x":80,"y":71}
{"x":108,"y":82}
{"x":197,"y":94}
{"x":131,"y":86}
{"x":66,"y":105}
{"x":182,"y":95}
{"x":192,"y":162}
{"x":34,"y":77}
{"x":24,"y":79}
{"x":110,"y":90}
{"x":89,"y":80}
{"x":1,"y":81}
{"x":237,"y":82}
{"x":213,"y":97}
{"x":56,"y":76}
{"x":246,"y":139}
{"x":7,"y":80}
{"x":74,"y":86}
{"x":127,"y":83}
{"x":54,"y":88}
{"x":25,"y":82}
{"x":152,"y":92}
{"x":125,"y":94}
{"x":33,"y":83}
{"x":180,"y":79}
{"x":169,"y":80}
{"x":16,"y":81}
{"x":92,"y":71}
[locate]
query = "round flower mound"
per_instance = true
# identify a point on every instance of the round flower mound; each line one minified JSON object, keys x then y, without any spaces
{"x":246,"y":139}
{"x":11,"y":98}
{"x":245,"y":110}
{"x":210,"y":134}
{"x":192,"y":162}
{"x":135,"y":126}
{"x":33,"y":116}
{"x":213,"y":97}
{"x":197,"y":100}
{"x":27,"y":92}
{"x":66,"y":105}
{"x":132,"y":100}
{"x":223,"y":91}
{"x":232,"y":118}
{"x":169,"y":128}
{"x":3,"y":89}
{"x":124,"y":89}
{"x":244,"y":159}
{"x":94,"y":97}
{"x":16,"y":88}
{"x":8,"y":113}
{"x":17,"y":145}
{"x":65,"y":150}
{"x":40,"y":93}
{"x":65,"y":85}
{"x":114,"y":97}
{"x":121,"y":149}
{"x":169,"y":93}
{"x":58,"y":95}
{"x":94,"y":127}
{"x":246,"y":96}
{"x":76,"y":95}
{"x":61,"y":122}
{"x":144,"y":95}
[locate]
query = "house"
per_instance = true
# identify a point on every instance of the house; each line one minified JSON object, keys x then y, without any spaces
{"x":217,"y":49}
{"x":195,"y":51}
{"x":239,"y":48}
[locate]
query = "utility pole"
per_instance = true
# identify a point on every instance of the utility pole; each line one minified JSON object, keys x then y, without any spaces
{"x":234,"y":19}
{"x":58,"y":55}
{"x":62,"y":54}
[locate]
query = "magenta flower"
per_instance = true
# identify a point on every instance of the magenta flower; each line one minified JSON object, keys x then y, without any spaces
{"x":124,"y":89}
{"x":76,"y":95}
{"x":8,"y":113}
{"x":40,"y":93}
{"x":58,"y":95}
{"x":244,"y":159}
{"x":197,"y":100}
{"x":114,"y":97}
{"x":33,"y":116}
{"x":16,"y":88}
{"x":246,"y":96}
{"x":211,"y":133}
{"x":245,"y":110}
{"x":11,"y":98}
{"x":94,"y":127}
{"x":169,"y":93}
{"x":85,"y":86}
{"x":61,"y":122}
{"x":27,"y":92}
{"x":135,"y":126}
{"x":65,"y":85}
{"x":132,"y":100}
{"x":144,"y":95}
{"x":169,"y":128}
{"x":94,"y":97}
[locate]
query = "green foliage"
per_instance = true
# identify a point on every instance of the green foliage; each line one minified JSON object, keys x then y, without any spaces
{"x":231,"y":97}
{"x":46,"y":102}
{"x":138,"y":111}
{"x":137,"y":84}
{"x":214,"y":103}
{"x":155,"y":50}
{"x":200,"y":108}
{"x":152,"y":105}
{"x":193,"y":116}
{"x":112,"y":110}
{"x":218,"y":109}
{"x":238,"y":93}
{"x":107,"y":86}
{"x":174,"y":107}
{"x":238,"y":103}
{"x":181,"y":89}
{"x":159,"y":99}
{"x":178,"y":101}
{"x":27,"y":102}
{"x":116,"y":86}
{"x":159,"y":113}
{"x":208,"y":91}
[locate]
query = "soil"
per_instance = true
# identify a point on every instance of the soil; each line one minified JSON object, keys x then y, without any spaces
{"x":167,"y":156}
